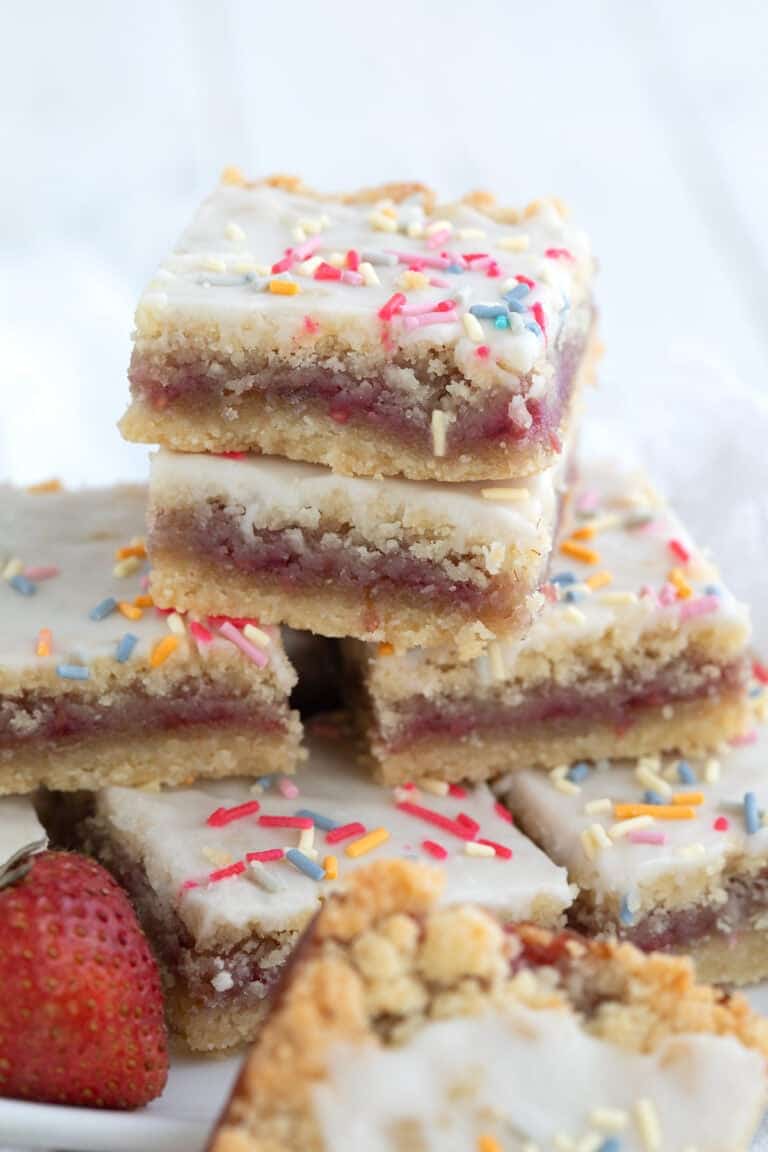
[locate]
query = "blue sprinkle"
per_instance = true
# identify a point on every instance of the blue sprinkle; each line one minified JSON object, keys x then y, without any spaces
{"x":73,"y":671}
{"x":304,"y":864}
{"x":103,"y":608}
{"x":514,"y":305}
{"x":453,"y":268}
{"x":756,"y":691}
{"x":612,"y":1144}
{"x":320,"y":821}
{"x":574,"y":597}
{"x":651,"y":797}
{"x":534,"y":327}
{"x":125,"y":646}
{"x":563,"y":578}
{"x":625,"y":914}
{"x":578,"y":772}
{"x":23,"y":585}
{"x":712,"y":589}
{"x":751,"y":813}
{"x":519,"y":292}
{"x":685,"y":773}
{"x":501,"y":322}
{"x":266,"y":782}
{"x":488,"y":311}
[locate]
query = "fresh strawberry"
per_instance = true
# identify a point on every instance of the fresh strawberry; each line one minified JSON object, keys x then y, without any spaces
{"x":81,"y":1007}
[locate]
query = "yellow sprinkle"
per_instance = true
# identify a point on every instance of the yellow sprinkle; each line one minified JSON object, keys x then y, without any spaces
{"x":283,"y":287}
{"x":434,"y":787}
{"x":624,"y":827}
{"x":588,"y":844}
{"x":595,"y":807}
{"x":486,"y":1143}
{"x":511,"y":494}
{"x":712,"y":771}
{"x":688,"y":798}
{"x":130,"y":611}
{"x":586,"y":532}
{"x":234,"y":232}
{"x":386,"y":649}
{"x":369,"y":273}
{"x":53,"y":485}
{"x":496,"y":660}
{"x":216,"y":856}
{"x":648,"y":1124}
{"x":679,"y":583}
{"x":232,"y":175}
{"x":562,"y":783}
{"x":439,"y":425}
{"x":162,"y":650}
{"x":579,"y":551}
{"x":472,"y":327}
{"x":139,"y":549}
{"x":646,"y":775}
{"x":472,"y":848}
{"x":176,"y":624}
{"x":367,"y":843}
{"x":44,"y":642}
{"x":337,"y":259}
{"x":126,"y":567}
{"x":13,"y":568}
{"x":519,"y":243}
{"x":331,"y":867}
{"x":412,"y":281}
{"x":619,"y":598}
{"x":599,"y":580}
{"x":381,"y":222}
{"x":257,"y":636}
{"x":609,"y":1119}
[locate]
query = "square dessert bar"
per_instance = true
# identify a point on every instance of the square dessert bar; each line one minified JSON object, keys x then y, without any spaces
{"x":639,"y":648}
{"x":670,"y":856}
{"x":225,"y":877}
{"x":377,"y":333}
{"x":96,"y":685}
{"x":394,"y":560}
{"x":405,"y":1025}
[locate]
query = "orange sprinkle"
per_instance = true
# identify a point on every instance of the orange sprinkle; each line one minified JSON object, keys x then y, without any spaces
{"x":687,"y":798}
{"x":386,"y":649}
{"x":143,"y":600}
{"x":680,"y":584}
{"x":487,"y":1143}
{"x":658,"y":811}
{"x":232,"y":175}
{"x":130,"y":611}
{"x":283,"y":287}
{"x":579,"y":551}
{"x":163,"y":649}
{"x":45,"y":486}
{"x":44,"y":642}
{"x":331,"y":867}
{"x":586,"y":532}
{"x":599,"y":580}
{"x":139,"y":550}
{"x":367,"y":843}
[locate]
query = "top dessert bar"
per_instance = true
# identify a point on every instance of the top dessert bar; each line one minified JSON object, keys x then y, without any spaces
{"x":498,"y":1041}
{"x":379,"y":333}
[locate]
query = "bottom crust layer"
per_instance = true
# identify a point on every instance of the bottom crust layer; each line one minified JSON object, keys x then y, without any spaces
{"x":738,"y":959}
{"x":206,"y":1028}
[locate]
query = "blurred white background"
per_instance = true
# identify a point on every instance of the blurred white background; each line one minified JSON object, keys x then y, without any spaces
{"x":650,"y":119}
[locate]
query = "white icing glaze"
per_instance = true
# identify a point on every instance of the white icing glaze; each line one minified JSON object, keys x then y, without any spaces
{"x":79,"y":532}
{"x":301,"y":494}
{"x":242,"y":231}
{"x":625,"y":869}
{"x":19,"y":825}
{"x":167,"y":833}
{"x":536,"y":1076}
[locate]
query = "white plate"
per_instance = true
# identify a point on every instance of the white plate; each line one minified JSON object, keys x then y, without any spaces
{"x":179,"y":1122}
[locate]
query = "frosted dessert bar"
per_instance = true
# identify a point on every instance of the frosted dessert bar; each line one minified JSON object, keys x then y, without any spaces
{"x":639,"y":648}
{"x":394,"y":560}
{"x":670,"y":856}
{"x":377,"y":333}
{"x":96,"y":685}
{"x":225,"y":876}
{"x":403,"y":1025}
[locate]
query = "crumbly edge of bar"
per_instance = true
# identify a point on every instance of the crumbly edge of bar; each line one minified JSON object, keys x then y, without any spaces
{"x":694,"y":729}
{"x":205,"y":588}
{"x":213,"y":1029}
{"x":720,"y":960}
{"x":154,"y":759}
{"x":381,"y":960}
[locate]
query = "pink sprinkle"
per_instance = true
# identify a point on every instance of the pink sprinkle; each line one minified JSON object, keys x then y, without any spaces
{"x":235,"y":869}
{"x":308,"y":248}
{"x":526,"y":280}
{"x":409,"y":786}
{"x":265,"y":855}
{"x":224,"y":816}
{"x":549,"y":591}
{"x":392,"y":306}
{"x":229,"y":632}
{"x":283,"y":265}
{"x":235,"y":621}
{"x":426,"y":309}
{"x":667,"y":595}
{"x":311,"y":326}
{"x":493,"y":270}
{"x":344,"y":831}
{"x":721,"y":824}
{"x":231,"y":455}
{"x":503,"y":813}
{"x":438,"y":238}
{"x":467,"y":821}
{"x":456,"y":258}
{"x":744,"y":740}
{"x":288,"y":788}
{"x":200,"y":632}
{"x":702,"y":606}
{"x":434,"y":849}
{"x":421,"y":260}
{"x":641,"y":836}
{"x":500,"y":849}
{"x":588,"y":500}
{"x":480,"y":262}
{"x":353,"y":260}
{"x":558,"y":253}
{"x":350,"y":277}
{"x":411,"y":322}
{"x":455,"y":827}
{"x":190,"y":884}
{"x":482,"y":352}
{"x":539,"y":317}
{"x":439,"y":282}
{"x":301,"y":822}
{"x":457,"y":791}
{"x":679,"y":551}
{"x":38,"y":574}
{"x":326,"y":271}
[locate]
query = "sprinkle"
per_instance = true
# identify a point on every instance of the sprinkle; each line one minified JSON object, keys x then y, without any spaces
{"x":609,"y":1119}
{"x":693,"y":798}
{"x":230,"y":632}
{"x":595,"y":807}
{"x":12,"y":568}
{"x":498,"y":849}
{"x":626,"y":915}
{"x":22,"y":585}
{"x":435,"y":787}
{"x":432,"y":848}
{"x":200,"y":632}
{"x":44,"y":642}
{"x":455,"y":827}
{"x":578,"y":772}
{"x":472,"y":327}
{"x":349,"y":277}
{"x":701,"y":606}
{"x":580,"y":552}
{"x":439,"y":422}
{"x":648,"y":1124}
{"x":386,"y":649}
{"x":392,"y":307}
{"x":658,"y":811}
{"x":73,"y":671}
{"x":235,"y":869}
{"x":134,"y":549}
{"x":369,"y":274}
{"x":53,"y":485}
{"x":284,"y":287}
{"x":126,"y":567}
{"x":685,"y":773}
{"x":563,"y":578}
{"x":623,"y":827}
{"x":651,"y":779}
{"x":264,"y":877}
{"x":319,"y":821}
{"x":125,"y":647}
{"x":223,"y":816}
{"x":679,"y":583}
{"x":486,"y":1143}
{"x":307,"y":841}
{"x":285,"y":821}
{"x":558,"y":253}
{"x":751,"y":813}
{"x":143,"y":601}
{"x":721,"y":824}
{"x":344,"y":832}
{"x":679,"y":551}
{"x":513,"y":495}
{"x":760,"y":672}
{"x":599,"y":580}
{"x":176,"y":624}
{"x":287,"y":788}
{"x":265,"y":855}
{"x":712,"y":771}
{"x":427,"y":318}
{"x":594,"y":839}
{"x":331,"y":867}
{"x":162,"y":650}
{"x":519,"y":243}
{"x":304,"y":864}
{"x":745,"y":739}
{"x":562,"y":783}
{"x":42,"y":572}
{"x":130,"y":611}
{"x":647,"y":837}
{"x":367,"y":843}
{"x":379,"y":258}
{"x":503,"y":813}
{"x":473,"y":848}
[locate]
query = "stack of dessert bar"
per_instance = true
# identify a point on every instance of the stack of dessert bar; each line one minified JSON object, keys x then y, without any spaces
{"x":367,"y":412}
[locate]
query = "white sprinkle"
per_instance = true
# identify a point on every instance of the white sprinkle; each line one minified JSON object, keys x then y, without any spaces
{"x":572,"y":613}
{"x":618,"y":598}
{"x":512,"y":495}
{"x":337,"y":259}
{"x":496,"y":661}
{"x":624,"y":827}
{"x":298,"y":234}
{"x":368,"y":273}
{"x":472,"y":848}
{"x":438,"y":226}
{"x":648,"y":1124}
{"x":692,"y":851}
{"x":651,"y":779}
{"x":435,"y":787}
{"x":263,"y":269}
{"x":222,"y":982}
{"x":712,"y":771}
{"x":519,"y":243}
{"x":306,"y":840}
{"x":559,"y":778}
{"x":382,"y":223}
{"x":308,"y":267}
{"x":263,"y":876}
{"x":176,"y":624}
{"x":470,"y":234}
{"x":609,"y":1119}
{"x":595,"y":807}
{"x":439,"y":425}
{"x":234,"y":232}
{"x":472,"y":327}
{"x":256,"y":636}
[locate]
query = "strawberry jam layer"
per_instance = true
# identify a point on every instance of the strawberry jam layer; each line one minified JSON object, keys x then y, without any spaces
{"x":377,"y":402}
{"x":35,"y":716}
